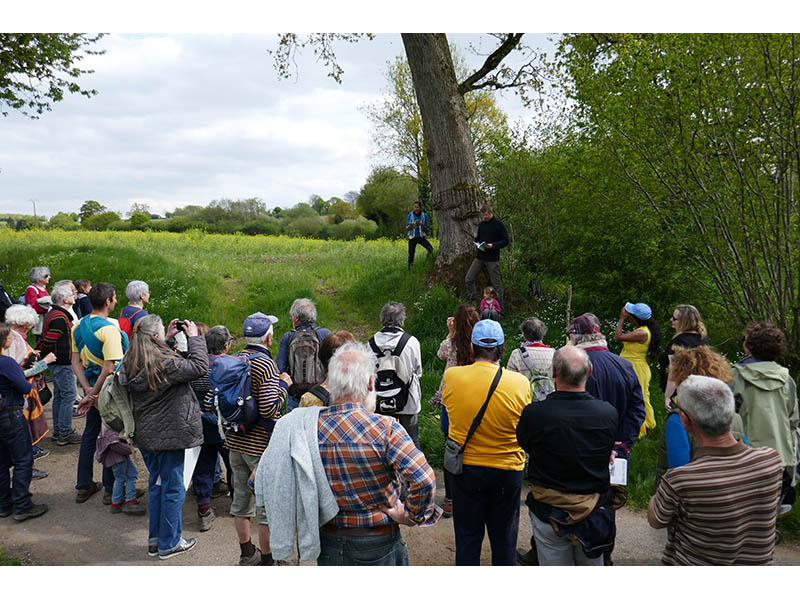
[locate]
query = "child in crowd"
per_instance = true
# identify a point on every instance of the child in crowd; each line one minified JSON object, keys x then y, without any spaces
{"x":113,"y":451}
{"x":490,"y":306}
{"x":82,"y":305}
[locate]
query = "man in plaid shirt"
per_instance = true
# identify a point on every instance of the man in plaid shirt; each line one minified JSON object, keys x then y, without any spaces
{"x":369,"y":461}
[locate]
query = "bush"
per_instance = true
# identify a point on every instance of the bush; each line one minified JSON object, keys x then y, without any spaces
{"x":354,"y":228}
{"x":262,"y":226}
{"x":304,"y":226}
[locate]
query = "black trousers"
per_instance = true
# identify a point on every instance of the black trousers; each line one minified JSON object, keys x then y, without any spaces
{"x":412,"y":247}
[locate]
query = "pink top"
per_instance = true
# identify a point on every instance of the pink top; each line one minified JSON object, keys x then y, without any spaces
{"x":32,"y":294}
{"x":491,"y":303}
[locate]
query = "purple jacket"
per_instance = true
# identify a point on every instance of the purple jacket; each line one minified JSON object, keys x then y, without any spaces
{"x":111,"y":450}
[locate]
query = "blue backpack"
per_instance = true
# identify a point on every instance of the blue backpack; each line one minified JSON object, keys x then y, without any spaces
{"x":232,"y":400}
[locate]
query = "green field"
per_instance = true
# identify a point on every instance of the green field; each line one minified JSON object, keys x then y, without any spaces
{"x":220,"y":279}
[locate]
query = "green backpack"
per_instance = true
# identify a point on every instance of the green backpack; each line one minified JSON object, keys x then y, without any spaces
{"x":116,"y":409}
{"x":541,"y":381}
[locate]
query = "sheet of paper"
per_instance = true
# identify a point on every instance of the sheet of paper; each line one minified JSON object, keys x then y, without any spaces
{"x":619,"y":472}
{"x":189,"y":462}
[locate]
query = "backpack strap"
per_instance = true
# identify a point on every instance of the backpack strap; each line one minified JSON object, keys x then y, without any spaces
{"x":526,"y":358}
{"x":401,"y":344}
{"x":374,"y":347}
{"x":321,"y":393}
{"x":477,"y":420}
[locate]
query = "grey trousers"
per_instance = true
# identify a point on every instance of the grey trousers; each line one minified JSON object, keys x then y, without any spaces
{"x":554,"y":551}
{"x":493,"y":268}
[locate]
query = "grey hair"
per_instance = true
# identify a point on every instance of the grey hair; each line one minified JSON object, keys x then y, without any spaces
{"x":64,"y":282}
{"x":571,"y":365}
{"x":303,"y":310}
{"x":350,"y":370}
{"x":61,"y":292}
{"x":393,"y":314}
{"x":260,"y":340}
{"x":216,"y":339}
{"x":22,"y":315}
{"x":38,"y":273}
{"x":533,"y":329}
{"x":582,"y":338}
{"x":709,"y":402}
{"x":135,"y":289}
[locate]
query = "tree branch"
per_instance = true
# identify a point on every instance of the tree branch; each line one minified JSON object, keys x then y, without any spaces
{"x":490,"y":64}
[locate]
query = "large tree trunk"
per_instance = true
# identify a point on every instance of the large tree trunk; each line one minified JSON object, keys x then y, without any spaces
{"x":455,"y":194}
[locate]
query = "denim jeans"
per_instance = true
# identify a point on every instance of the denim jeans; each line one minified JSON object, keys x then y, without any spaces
{"x":86,"y":454}
{"x":64,"y":393}
{"x":166,"y":491}
{"x":16,"y":452}
{"x":125,"y":475}
{"x":376,"y":551}
{"x":554,"y":551}
{"x":486,"y":498}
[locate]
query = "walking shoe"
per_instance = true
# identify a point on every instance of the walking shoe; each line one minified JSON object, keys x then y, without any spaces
{"x":5,"y":512}
{"x":37,"y":474}
{"x":73,"y":437}
{"x":134,"y":507}
{"x":83,"y":495}
{"x":115,"y":508}
{"x":36,"y":510}
{"x":152,"y":549}
{"x":251,"y":561}
{"x":206,"y":519}
{"x":183,"y":546}
{"x":77,"y":415}
{"x":107,"y":495}
{"x":220,"y":489}
{"x":40,"y":453}
{"x":447,"y":508}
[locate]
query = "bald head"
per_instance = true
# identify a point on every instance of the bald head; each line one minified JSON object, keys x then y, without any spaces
{"x":571,"y":369}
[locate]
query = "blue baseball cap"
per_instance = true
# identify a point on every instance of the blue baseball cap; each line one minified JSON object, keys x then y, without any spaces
{"x":488,"y":334}
{"x":640,"y":310}
{"x":258,"y":324}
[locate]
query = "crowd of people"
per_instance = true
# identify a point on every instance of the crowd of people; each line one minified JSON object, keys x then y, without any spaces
{"x":329,"y":463}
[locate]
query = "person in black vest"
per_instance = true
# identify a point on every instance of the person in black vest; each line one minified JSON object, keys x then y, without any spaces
{"x":491,"y":237}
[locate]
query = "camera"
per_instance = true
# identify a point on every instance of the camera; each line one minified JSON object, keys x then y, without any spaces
{"x":180,"y":325}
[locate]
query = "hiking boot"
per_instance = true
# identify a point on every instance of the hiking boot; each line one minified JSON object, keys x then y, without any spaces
{"x":206,"y":519}
{"x":115,"y":508}
{"x":251,"y":561}
{"x":37,"y":474}
{"x":83,"y":495}
{"x":36,"y":510}
{"x":73,"y":437}
{"x":134,"y":507}
{"x":5,"y":512}
{"x":183,"y":546}
{"x":40,"y":453}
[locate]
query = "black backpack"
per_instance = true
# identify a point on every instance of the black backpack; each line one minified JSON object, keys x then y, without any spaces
{"x":302,"y":361}
{"x":392,"y":380}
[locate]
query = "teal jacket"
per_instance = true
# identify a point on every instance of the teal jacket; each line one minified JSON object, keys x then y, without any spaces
{"x":766,"y":398}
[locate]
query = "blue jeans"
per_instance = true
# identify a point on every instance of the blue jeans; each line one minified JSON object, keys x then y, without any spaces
{"x":86,"y":454}
{"x":64,"y":393}
{"x":484,"y":497}
{"x":376,"y":551}
{"x":125,"y":475}
{"x":15,"y":451}
{"x":167,"y":494}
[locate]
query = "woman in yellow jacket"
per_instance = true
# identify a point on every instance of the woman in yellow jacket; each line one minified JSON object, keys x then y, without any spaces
{"x":639,"y":345}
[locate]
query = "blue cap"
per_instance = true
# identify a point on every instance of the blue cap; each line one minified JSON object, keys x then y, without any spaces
{"x":258,"y":324}
{"x":488,"y":334}
{"x":640,"y":310}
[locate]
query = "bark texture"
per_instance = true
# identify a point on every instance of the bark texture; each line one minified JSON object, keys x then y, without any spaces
{"x":455,"y":194}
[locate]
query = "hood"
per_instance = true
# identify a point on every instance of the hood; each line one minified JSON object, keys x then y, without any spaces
{"x":766,"y":375}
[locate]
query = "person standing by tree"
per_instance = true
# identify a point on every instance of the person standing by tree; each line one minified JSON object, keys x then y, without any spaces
{"x":491,"y":237}
{"x":417,"y":225}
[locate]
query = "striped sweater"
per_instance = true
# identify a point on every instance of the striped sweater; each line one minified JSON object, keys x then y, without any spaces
{"x":721,"y":508}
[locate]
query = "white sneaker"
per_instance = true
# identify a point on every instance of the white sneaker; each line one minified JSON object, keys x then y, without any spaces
{"x":183,"y":546}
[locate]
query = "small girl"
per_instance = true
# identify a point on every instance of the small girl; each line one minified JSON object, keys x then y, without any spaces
{"x":490,"y":307}
{"x":113,"y":451}
{"x":83,"y":306}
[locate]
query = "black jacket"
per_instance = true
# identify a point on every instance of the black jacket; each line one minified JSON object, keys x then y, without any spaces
{"x":569,"y":436}
{"x":168,"y":418}
{"x":494,"y":232}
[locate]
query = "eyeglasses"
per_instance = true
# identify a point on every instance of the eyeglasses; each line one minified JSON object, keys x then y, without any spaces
{"x":673,"y":318}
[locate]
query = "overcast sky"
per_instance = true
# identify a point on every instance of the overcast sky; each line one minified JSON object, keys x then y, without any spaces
{"x":188,"y":118}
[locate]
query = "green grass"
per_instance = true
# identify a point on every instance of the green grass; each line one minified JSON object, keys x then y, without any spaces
{"x":7,"y":561}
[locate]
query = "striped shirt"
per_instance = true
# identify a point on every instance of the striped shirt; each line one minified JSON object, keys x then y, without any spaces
{"x":368,"y":459}
{"x":721,"y":508}
{"x":268,"y":390}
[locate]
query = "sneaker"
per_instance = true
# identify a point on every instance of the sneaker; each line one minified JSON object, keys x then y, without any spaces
{"x":73,"y":437}
{"x":37,"y":474}
{"x":183,"y":546}
{"x":251,"y":561}
{"x":107,"y":495}
{"x":207,"y":519}
{"x":36,"y":510}
{"x":134,"y":507}
{"x":40,"y":453}
{"x":784,"y":509}
{"x":83,"y":495}
{"x":77,"y":415}
{"x":152,"y":549}
{"x":115,"y":509}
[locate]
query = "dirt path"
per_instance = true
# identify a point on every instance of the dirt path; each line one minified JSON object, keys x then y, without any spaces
{"x":88,"y":534}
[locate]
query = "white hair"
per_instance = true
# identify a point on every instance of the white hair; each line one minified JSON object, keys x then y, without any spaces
{"x":22,"y":315}
{"x":38,"y":273}
{"x":303,"y":310}
{"x":136,"y":289}
{"x":349,"y":372}
{"x":260,"y":340}
{"x":709,"y":402}
{"x":60,"y":293}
